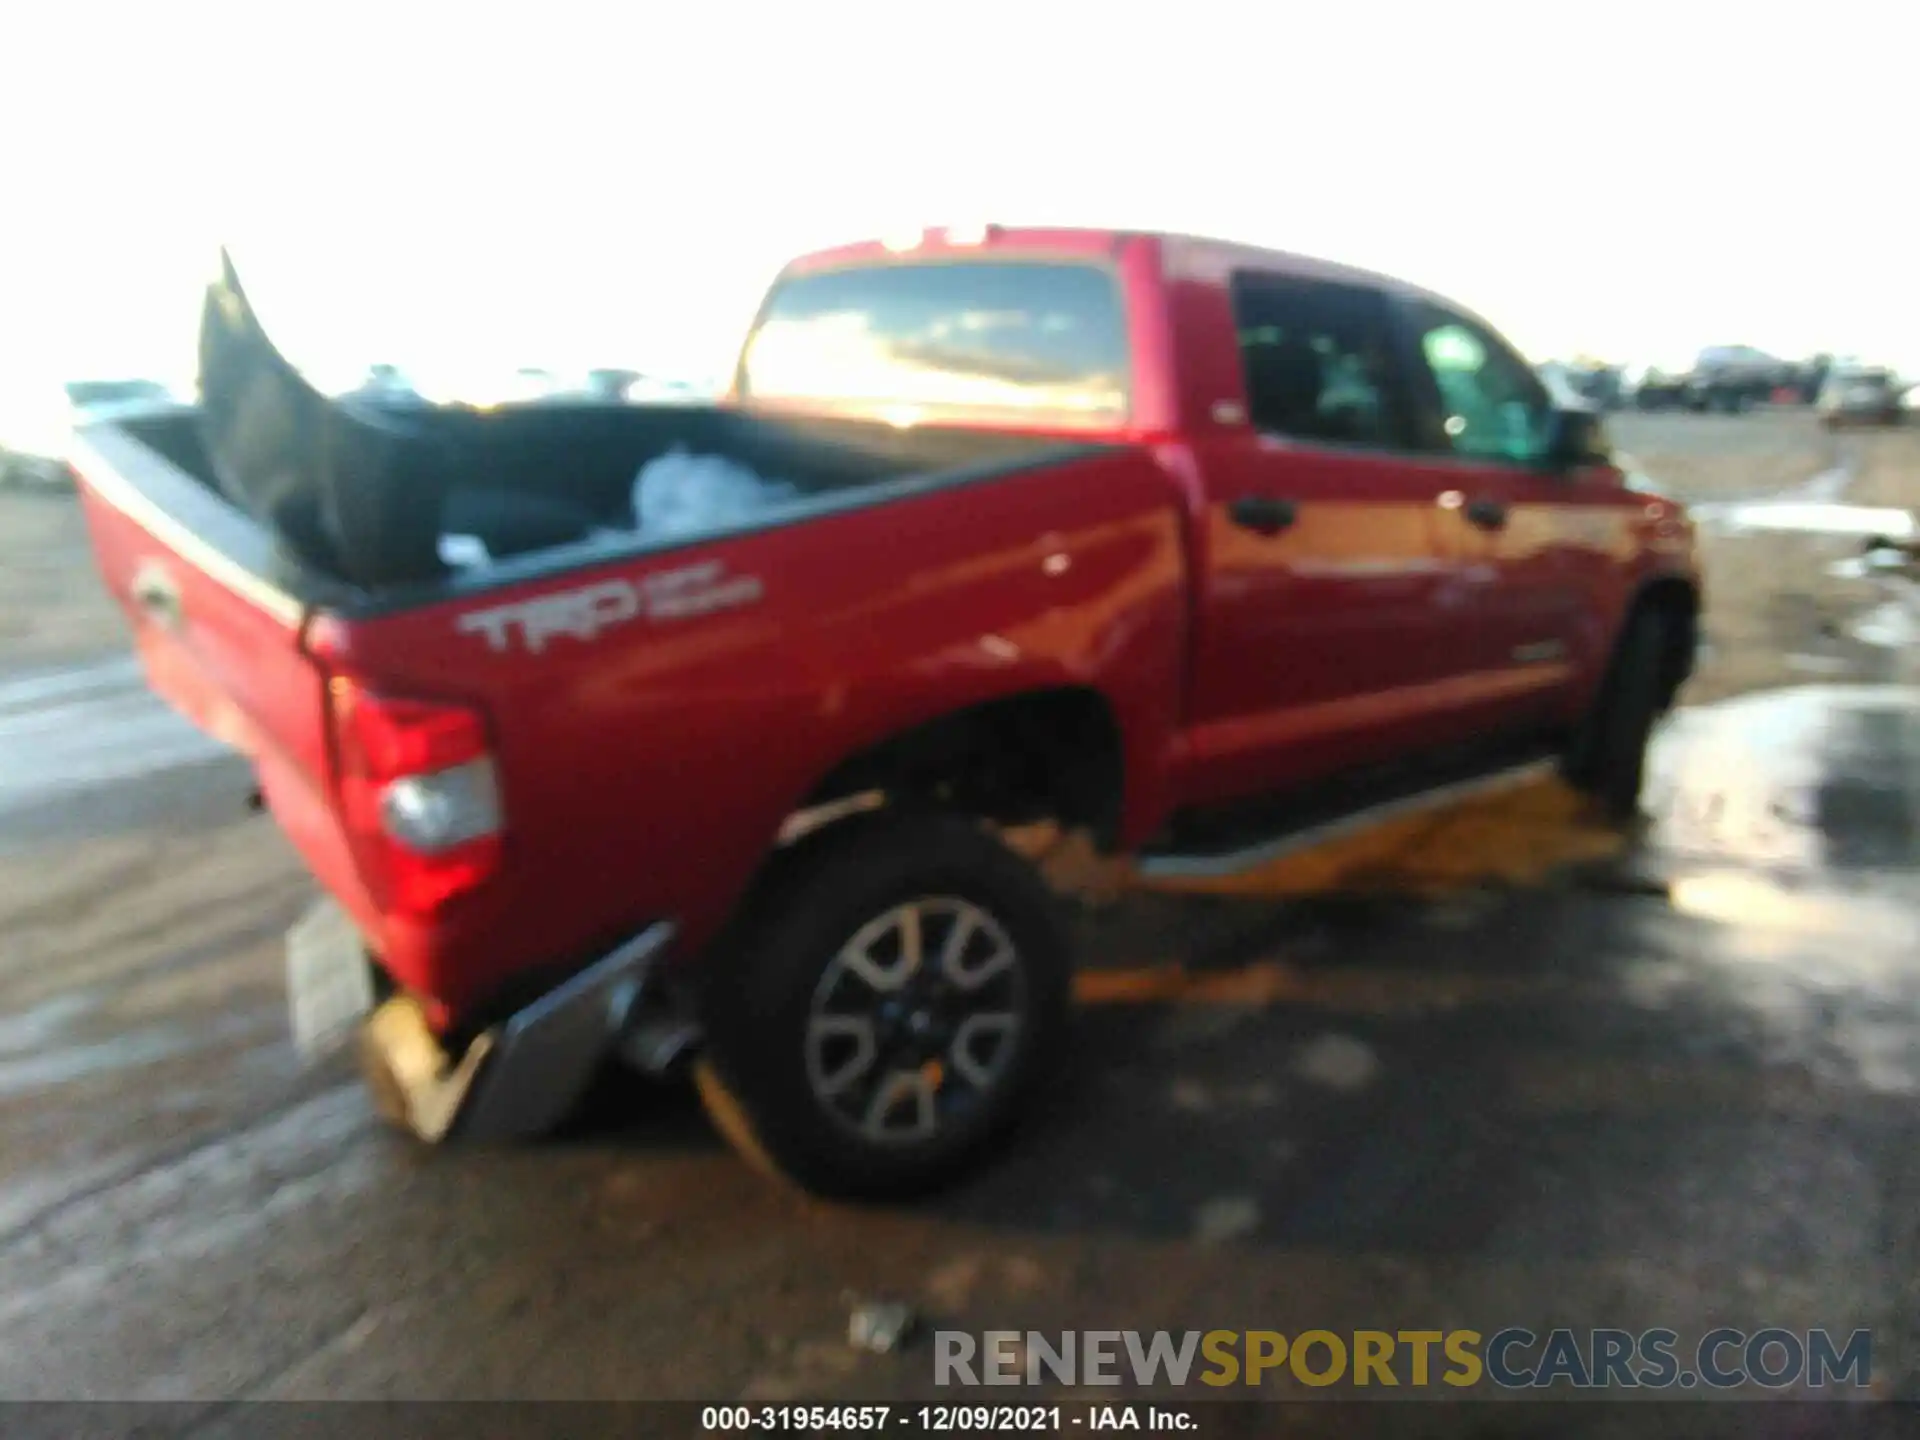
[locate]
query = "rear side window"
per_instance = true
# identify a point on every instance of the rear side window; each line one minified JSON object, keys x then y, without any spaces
{"x":1318,"y":360}
{"x":1016,"y":337}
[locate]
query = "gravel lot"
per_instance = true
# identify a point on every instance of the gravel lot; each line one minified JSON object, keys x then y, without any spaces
{"x":1777,"y":613}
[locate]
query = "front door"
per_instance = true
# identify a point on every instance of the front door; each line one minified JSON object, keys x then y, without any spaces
{"x":1532,"y":531}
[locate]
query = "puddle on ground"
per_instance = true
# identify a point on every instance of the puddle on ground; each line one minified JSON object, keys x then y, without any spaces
{"x":29,"y":1073}
{"x":1877,"y":564}
{"x":1891,"y":626}
{"x":1816,"y":778}
{"x":1787,"y":824}
{"x":1819,"y":664}
{"x":43,"y":1024}
{"x":1864,"y":522}
{"x":1746,"y":897}
{"x":1784,"y":828}
{"x":1812,"y":508}
{"x":38,"y":1049}
{"x":1813,"y":978}
{"x":1829,"y":484}
{"x":86,"y":734}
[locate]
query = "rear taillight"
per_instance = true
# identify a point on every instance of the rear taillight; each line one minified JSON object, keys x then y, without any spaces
{"x":419,"y":794}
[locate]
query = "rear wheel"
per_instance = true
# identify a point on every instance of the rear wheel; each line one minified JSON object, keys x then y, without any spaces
{"x":1608,"y":755}
{"x":882,"y":1019}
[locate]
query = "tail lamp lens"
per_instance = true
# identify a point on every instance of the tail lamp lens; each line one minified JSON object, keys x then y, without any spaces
{"x":433,"y":813}
{"x":420,"y":795}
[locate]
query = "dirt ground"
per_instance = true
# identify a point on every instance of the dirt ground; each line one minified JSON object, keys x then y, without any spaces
{"x":52,"y":606}
{"x":1777,"y":614}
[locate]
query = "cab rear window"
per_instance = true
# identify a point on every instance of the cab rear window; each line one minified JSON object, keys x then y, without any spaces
{"x":1020,"y":338}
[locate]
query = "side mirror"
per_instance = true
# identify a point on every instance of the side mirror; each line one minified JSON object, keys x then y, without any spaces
{"x":1577,"y":437}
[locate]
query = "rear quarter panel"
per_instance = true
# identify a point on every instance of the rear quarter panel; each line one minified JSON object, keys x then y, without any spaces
{"x":646,"y":770}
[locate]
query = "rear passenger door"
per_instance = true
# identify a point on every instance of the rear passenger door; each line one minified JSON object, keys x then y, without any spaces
{"x":1324,"y":639}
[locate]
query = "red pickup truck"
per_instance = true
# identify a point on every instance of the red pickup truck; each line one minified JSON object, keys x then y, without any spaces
{"x":1195,"y":547}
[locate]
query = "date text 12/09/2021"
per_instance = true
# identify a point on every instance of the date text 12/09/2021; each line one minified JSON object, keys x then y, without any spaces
{"x":944,"y":1419}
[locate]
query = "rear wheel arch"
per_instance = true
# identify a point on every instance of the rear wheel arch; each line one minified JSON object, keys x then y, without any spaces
{"x":1064,"y":741}
{"x":1052,"y":754}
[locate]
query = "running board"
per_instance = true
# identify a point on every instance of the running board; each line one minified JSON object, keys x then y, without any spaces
{"x":1211,"y":865}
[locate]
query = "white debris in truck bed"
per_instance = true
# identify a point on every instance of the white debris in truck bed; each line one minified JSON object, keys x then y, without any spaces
{"x":681,"y":494}
{"x":463,"y":552}
{"x":677,"y":493}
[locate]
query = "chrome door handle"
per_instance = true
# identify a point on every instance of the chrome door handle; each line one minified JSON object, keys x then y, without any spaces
{"x":1487,"y":514}
{"x":1263,"y":514}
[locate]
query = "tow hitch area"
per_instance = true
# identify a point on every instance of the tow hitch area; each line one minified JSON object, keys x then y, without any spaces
{"x":520,"y":1078}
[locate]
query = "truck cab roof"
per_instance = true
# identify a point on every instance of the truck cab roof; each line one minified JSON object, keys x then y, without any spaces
{"x":1190,"y":256}
{"x":852,"y":328}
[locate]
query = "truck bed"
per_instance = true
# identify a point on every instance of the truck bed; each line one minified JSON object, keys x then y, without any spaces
{"x":648,"y":742}
{"x":548,"y":484}
{"x":277,"y":553}
{"x":362,"y":491}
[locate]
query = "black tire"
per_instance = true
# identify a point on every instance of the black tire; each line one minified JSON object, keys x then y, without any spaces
{"x":760,"y":1076}
{"x":1608,"y":756}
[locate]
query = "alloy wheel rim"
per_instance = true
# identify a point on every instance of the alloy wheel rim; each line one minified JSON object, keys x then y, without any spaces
{"x":915,"y":1020}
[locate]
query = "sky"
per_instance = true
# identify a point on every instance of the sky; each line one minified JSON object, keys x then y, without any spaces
{"x":458,"y":188}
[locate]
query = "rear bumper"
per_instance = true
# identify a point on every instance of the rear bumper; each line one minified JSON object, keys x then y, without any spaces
{"x":521,"y":1077}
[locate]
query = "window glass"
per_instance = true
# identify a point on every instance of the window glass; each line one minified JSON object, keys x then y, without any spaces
{"x":976,"y":335}
{"x":1317,"y":362}
{"x":1495,"y":407}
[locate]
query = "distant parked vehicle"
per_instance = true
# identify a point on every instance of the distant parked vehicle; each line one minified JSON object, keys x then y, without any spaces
{"x":1807,"y":378}
{"x":1587,"y":382}
{"x":1727,"y":379}
{"x":621,"y":385}
{"x":103,"y":399}
{"x":388,"y":385}
{"x":1605,"y":386}
{"x":1661,"y":390}
{"x":34,"y":430}
{"x":1862,"y":395}
{"x":1733,"y":378}
{"x":610,"y":383}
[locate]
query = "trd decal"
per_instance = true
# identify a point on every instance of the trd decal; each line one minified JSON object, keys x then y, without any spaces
{"x":589,"y":612}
